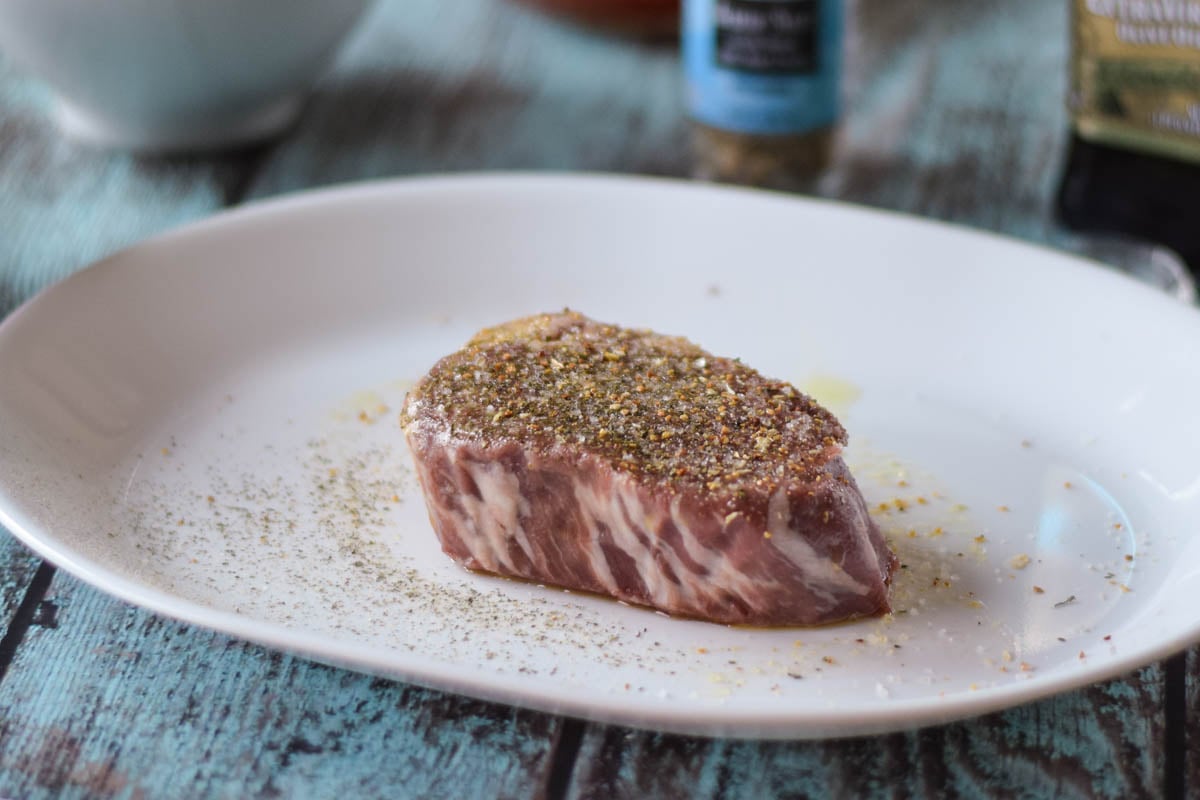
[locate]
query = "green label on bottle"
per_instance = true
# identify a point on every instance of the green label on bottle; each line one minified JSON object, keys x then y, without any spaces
{"x":1136,"y":74}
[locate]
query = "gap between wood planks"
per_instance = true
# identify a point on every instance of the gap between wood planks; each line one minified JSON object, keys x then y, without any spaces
{"x":1175,"y":724}
{"x":562,"y":759}
{"x":35,"y":593}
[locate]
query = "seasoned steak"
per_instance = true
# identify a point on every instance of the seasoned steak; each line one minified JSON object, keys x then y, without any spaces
{"x":623,"y":462}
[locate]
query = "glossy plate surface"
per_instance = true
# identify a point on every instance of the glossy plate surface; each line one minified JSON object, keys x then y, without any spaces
{"x":205,"y":425}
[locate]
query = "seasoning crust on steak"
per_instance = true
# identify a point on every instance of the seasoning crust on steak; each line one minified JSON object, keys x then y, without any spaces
{"x":623,"y":462}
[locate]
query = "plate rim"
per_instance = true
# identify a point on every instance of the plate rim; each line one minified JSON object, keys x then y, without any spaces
{"x":696,"y":720}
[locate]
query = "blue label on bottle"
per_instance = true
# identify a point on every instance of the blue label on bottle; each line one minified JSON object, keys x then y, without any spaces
{"x":763,"y":66}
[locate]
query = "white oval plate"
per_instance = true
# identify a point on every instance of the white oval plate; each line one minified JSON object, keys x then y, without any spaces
{"x":205,"y":425}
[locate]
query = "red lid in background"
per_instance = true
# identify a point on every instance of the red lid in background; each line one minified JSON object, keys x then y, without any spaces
{"x":651,"y":18}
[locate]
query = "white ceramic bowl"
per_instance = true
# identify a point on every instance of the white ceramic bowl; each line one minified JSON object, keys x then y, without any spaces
{"x":176,"y":74}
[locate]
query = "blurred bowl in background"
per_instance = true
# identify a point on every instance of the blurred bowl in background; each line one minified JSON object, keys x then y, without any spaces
{"x":170,"y":75}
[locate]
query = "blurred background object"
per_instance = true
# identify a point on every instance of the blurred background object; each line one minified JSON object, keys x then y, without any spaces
{"x":175,"y":74}
{"x":763,"y":84}
{"x":655,"y":19}
{"x":1134,"y":160}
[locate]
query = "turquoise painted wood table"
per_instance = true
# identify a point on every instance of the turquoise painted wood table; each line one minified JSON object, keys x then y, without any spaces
{"x":954,"y":111}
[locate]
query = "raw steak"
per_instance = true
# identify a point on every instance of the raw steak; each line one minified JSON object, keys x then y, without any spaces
{"x":565,"y":451}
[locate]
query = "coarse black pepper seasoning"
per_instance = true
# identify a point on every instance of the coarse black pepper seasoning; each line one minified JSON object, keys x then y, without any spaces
{"x":653,"y":405}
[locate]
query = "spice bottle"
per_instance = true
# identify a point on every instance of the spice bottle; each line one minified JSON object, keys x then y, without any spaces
{"x":1134,"y":162}
{"x":763,"y":79}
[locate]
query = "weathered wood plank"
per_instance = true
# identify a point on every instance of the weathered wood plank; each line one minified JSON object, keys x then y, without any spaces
{"x":1104,"y":741}
{"x":950,"y":112}
{"x":956,"y":111}
{"x":117,"y":702}
{"x":483,"y":85}
{"x":17,"y":566}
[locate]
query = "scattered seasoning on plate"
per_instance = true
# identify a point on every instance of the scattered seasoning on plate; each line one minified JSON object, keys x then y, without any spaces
{"x":1066,"y":602}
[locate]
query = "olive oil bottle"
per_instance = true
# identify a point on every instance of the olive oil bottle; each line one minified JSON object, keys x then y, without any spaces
{"x":1134,"y":161}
